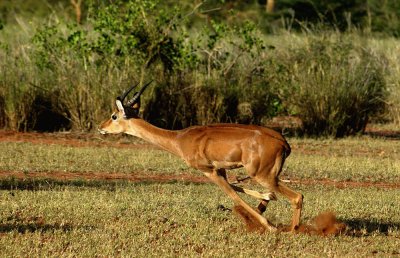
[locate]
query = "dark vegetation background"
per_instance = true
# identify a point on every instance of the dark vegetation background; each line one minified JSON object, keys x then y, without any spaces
{"x":333,"y":64}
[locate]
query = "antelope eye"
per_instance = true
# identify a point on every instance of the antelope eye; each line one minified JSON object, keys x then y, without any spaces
{"x":114,"y":117}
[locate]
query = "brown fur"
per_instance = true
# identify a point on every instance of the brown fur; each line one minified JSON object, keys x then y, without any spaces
{"x":214,"y":148}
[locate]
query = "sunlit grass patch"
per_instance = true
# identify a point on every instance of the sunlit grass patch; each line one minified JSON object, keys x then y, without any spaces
{"x":37,"y":157}
{"x":354,"y":159}
{"x":56,"y":217}
{"x":179,"y":219}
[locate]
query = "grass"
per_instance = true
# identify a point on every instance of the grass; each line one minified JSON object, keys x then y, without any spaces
{"x":179,"y":219}
{"x":71,"y":159}
{"x":355,"y":159}
{"x":48,"y":217}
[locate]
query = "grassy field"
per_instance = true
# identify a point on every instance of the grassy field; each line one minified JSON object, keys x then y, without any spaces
{"x":356,"y":159}
{"x":86,"y":218}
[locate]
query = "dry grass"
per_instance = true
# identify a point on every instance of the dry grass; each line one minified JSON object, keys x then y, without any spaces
{"x":184,"y":220}
{"x":42,"y":217}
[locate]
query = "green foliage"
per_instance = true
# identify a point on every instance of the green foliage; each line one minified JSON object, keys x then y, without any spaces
{"x":46,"y":44}
{"x":214,"y":72}
{"x":333,"y":84}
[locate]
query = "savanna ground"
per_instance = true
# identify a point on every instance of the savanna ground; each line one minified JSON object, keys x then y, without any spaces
{"x":69,"y":194}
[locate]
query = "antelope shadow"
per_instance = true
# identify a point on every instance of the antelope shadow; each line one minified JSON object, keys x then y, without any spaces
{"x":40,"y":184}
{"x":362,"y":227}
{"x":30,"y":227}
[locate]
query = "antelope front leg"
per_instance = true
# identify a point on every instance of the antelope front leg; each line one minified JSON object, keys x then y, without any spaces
{"x":220,"y":180}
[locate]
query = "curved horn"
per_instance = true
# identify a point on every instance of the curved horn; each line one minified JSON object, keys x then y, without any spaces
{"x":123,"y":96}
{"x":137,"y":94}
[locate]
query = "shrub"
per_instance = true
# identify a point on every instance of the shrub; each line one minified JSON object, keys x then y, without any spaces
{"x":390,"y":47}
{"x":332,"y":83}
{"x":47,"y":113}
{"x":3,"y":118}
{"x":217,"y":73}
{"x":224,"y":84}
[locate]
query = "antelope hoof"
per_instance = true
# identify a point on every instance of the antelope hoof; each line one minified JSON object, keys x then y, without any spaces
{"x":294,"y":228}
{"x":272,"y":229}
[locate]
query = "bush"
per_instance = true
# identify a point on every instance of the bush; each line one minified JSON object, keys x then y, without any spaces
{"x":46,"y":113}
{"x":216,"y":73}
{"x":3,"y":118}
{"x":202,"y":78}
{"x":331,"y":83}
{"x":226,"y":82}
{"x":390,"y":47}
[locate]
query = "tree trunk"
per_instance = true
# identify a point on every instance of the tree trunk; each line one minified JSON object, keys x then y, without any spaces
{"x":270,"y":6}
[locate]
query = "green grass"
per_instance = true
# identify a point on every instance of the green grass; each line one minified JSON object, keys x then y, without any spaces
{"x":29,"y":157}
{"x":355,"y":159}
{"x":179,"y":219}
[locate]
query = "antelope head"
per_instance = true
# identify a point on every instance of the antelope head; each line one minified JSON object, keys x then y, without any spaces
{"x":119,"y":121}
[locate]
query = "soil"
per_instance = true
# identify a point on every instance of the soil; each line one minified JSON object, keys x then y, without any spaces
{"x":74,"y":139}
{"x":376,"y":132}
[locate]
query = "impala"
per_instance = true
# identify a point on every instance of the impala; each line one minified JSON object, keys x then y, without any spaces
{"x":215,"y":148}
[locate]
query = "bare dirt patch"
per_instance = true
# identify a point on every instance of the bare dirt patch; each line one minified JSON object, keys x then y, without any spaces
{"x":74,"y":139}
{"x":377,"y":132}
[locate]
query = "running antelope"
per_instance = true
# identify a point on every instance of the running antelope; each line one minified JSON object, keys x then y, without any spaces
{"x":214,"y":148}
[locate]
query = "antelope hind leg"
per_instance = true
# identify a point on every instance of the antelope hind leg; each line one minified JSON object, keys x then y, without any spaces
{"x":264,"y":197}
{"x":297,"y":203}
{"x":268,"y":196}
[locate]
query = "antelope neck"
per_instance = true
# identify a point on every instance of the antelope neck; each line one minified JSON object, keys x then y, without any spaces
{"x":166,"y":139}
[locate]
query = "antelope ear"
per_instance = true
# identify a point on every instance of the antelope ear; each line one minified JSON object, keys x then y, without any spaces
{"x":120,"y":106}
